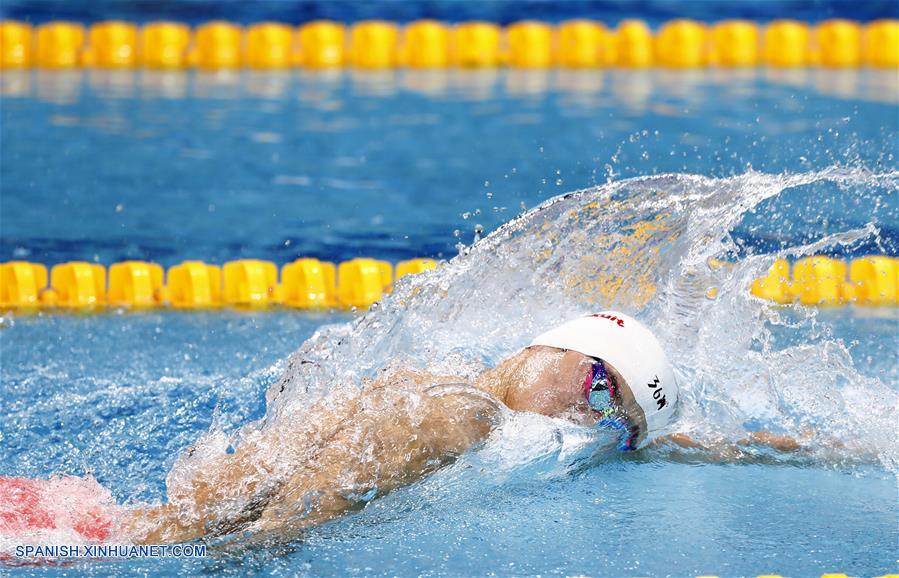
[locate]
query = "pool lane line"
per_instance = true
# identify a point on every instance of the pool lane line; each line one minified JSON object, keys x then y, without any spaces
{"x":305,"y":283}
{"x":378,"y":44}
{"x":308,"y":283}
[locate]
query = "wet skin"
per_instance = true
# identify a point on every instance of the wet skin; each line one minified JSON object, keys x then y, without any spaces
{"x":293,"y":473}
{"x":376,"y":439}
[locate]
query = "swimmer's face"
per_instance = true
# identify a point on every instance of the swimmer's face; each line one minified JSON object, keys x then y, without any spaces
{"x":550,"y":382}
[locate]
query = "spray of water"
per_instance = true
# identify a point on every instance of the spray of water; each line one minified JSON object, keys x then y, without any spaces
{"x":650,"y":246}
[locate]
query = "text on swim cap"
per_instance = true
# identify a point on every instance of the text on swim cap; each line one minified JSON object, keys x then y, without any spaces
{"x":657,"y":392}
{"x":610,"y":318}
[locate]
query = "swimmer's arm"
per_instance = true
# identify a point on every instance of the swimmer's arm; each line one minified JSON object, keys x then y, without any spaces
{"x":779,"y":442}
{"x":199,"y":513}
{"x":325,"y":451}
{"x":785,"y":443}
{"x":197,"y":508}
{"x":391,"y":444}
{"x":161,"y":524}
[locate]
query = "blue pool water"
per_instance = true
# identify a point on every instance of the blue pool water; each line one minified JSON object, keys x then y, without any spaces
{"x":109,"y":166}
{"x":184,"y":166}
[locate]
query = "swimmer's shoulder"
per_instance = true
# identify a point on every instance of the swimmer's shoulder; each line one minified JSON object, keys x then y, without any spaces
{"x":407,"y":379}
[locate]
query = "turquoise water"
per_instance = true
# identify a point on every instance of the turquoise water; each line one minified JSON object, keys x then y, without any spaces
{"x":168,"y":167}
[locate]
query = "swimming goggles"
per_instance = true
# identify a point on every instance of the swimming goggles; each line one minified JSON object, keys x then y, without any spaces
{"x":600,"y":391}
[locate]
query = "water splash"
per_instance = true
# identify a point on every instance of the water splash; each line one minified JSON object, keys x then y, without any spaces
{"x":650,"y":246}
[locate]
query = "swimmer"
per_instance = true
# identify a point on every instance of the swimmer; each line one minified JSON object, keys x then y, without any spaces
{"x":287,"y":473}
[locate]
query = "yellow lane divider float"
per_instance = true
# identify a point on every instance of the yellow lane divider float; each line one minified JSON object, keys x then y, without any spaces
{"x":76,"y":284}
{"x":216,"y":45}
{"x":111,"y":45}
{"x":305,"y":284}
{"x":308,"y":283}
{"x":164,"y":45}
{"x":376,"y":44}
{"x":134,"y":283}
{"x":822,"y":281}
{"x":322,"y":45}
{"x":786,"y":44}
{"x":193,"y":285}
{"x":477,"y":45}
{"x":21,"y":284}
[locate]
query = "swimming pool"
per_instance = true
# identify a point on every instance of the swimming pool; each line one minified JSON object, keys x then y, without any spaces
{"x":165,"y":167}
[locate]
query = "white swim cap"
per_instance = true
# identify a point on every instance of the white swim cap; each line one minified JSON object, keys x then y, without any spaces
{"x":632,"y":349}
